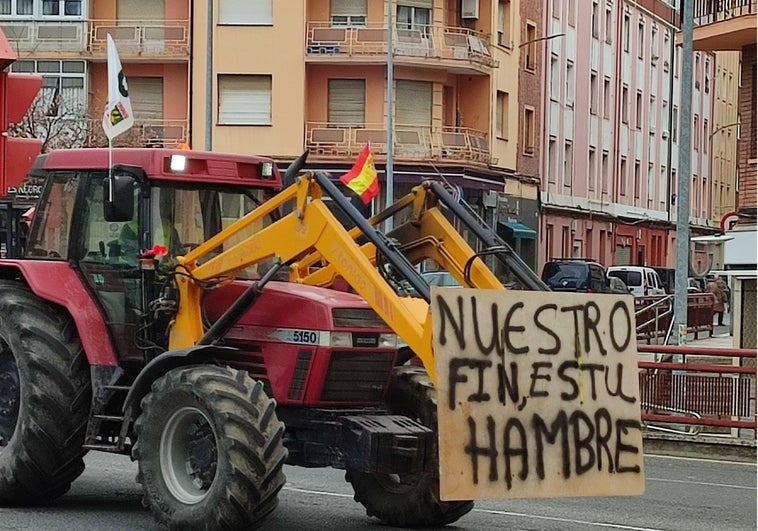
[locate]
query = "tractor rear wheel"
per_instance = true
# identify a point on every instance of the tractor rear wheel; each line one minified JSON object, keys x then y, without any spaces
{"x":409,"y":500}
{"x":44,"y":398}
{"x":210,"y":451}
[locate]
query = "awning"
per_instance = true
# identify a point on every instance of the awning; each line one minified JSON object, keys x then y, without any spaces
{"x":514,"y":229}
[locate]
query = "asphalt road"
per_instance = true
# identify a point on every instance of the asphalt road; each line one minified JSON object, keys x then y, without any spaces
{"x":681,"y":495}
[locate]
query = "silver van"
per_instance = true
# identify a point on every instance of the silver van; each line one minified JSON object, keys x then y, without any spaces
{"x":642,"y":281}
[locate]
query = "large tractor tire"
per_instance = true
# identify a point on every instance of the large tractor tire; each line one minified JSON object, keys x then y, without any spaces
{"x":44,"y":398}
{"x":209,"y":448}
{"x":409,"y":500}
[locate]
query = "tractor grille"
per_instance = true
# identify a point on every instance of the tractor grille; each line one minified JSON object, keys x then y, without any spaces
{"x":357,"y":376}
{"x":357,"y":318}
{"x":297,"y":386}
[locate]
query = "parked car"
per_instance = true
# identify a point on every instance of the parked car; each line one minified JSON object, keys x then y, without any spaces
{"x":576,"y":274}
{"x":642,"y":281}
{"x":617,"y":286}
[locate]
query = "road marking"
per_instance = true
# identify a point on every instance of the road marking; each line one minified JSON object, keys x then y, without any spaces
{"x":497,"y":512}
{"x":705,"y":483}
{"x":701,"y":459}
{"x":568,"y":520}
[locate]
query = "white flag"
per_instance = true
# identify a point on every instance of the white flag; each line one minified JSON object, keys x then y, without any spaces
{"x":118,"y":115}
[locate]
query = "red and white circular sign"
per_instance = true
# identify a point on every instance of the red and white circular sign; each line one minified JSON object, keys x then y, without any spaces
{"x":728,"y":221}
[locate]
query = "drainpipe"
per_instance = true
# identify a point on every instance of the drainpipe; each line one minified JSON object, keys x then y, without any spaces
{"x":209,"y":81}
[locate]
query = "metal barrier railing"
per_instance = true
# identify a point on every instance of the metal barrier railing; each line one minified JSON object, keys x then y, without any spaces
{"x":697,"y":386}
{"x":653,"y":315}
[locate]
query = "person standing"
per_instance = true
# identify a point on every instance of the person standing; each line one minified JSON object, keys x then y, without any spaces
{"x":716,"y":288}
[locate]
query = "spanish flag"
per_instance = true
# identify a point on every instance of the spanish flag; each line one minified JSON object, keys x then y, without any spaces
{"x":362,"y":178}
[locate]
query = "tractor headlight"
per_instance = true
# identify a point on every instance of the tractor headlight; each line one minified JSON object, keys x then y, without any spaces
{"x":388,"y":341}
{"x":341,"y":339}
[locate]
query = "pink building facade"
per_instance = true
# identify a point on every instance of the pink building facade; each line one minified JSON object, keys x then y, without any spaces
{"x":611,"y":131}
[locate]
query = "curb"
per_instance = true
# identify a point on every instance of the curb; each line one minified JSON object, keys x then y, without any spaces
{"x":703,"y":447}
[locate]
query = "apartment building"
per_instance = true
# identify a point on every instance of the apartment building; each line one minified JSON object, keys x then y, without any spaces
{"x":286,"y":76}
{"x":65,"y":42}
{"x":611,"y":133}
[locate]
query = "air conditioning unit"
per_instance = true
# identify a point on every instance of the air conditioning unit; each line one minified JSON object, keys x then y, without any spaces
{"x":470,"y":9}
{"x":489,"y":199}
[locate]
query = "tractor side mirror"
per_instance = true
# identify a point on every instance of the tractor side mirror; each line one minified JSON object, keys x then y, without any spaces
{"x":118,"y":198}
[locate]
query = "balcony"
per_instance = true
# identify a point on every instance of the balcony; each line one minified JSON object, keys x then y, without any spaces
{"x":413,"y":144}
{"x":145,"y":133}
{"x":724,"y":25}
{"x":162,"y":40}
{"x":457,"y":49}
{"x":46,"y":38}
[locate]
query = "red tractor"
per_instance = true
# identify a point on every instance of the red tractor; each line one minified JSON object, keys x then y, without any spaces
{"x":171,"y":308}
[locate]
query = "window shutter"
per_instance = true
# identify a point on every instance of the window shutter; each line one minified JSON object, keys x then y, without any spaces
{"x":424,"y":4}
{"x":413,"y":103}
{"x":347,"y":102}
{"x":244,"y":100}
{"x":146,"y":95}
{"x":348,"y":7}
{"x":245,"y":12}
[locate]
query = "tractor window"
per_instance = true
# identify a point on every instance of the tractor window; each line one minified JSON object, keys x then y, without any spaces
{"x":53,"y":224}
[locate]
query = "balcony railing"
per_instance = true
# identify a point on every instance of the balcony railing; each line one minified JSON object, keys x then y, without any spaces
{"x":161,"y":38}
{"x":411,"y":143}
{"x":144,"y":133}
{"x":456,"y":45}
{"x":43,"y":36}
{"x":712,"y":11}
{"x":164,"y":39}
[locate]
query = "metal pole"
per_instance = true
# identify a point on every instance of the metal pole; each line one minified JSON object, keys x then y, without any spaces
{"x":683,"y":188}
{"x":209,"y":80}
{"x":388,"y":172}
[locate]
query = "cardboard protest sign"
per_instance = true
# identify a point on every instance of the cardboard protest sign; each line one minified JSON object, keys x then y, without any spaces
{"x":538,"y":394}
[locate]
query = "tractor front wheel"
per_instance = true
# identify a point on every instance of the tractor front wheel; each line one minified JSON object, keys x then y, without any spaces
{"x":409,"y":500}
{"x":209,"y":448}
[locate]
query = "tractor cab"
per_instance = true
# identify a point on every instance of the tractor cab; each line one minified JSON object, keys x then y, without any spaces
{"x":122,"y":229}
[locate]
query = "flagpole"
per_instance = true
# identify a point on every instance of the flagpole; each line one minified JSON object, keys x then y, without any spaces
{"x":388,"y":170}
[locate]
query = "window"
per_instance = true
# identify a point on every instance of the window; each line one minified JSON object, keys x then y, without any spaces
{"x":593,"y":93}
{"x":501,"y":120}
{"x":595,"y":20}
{"x":609,"y":24}
{"x":652,"y":115}
{"x":696,"y":74}
{"x":570,"y":83}
{"x":654,"y":44}
{"x":348,"y":13}
{"x":675,"y":123}
{"x":592,"y":169}
{"x":625,"y":104}
{"x":637,"y":183}
{"x":414,"y":15}
{"x":49,"y":8}
{"x":63,"y":88}
{"x":528,"y":131}
{"x":62,"y":8}
{"x":571,"y":6}
{"x":552,"y":160}
{"x":696,"y":134}
{"x":504,"y":23}
{"x":604,"y":170}
{"x":607,"y":103}
{"x":625,"y":34}
{"x":641,"y":39}
{"x":662,"y":184}
{"x":622,"y":177}
{"x":347,"y":102}
{"x":530,"y":60}
{"x":557,"y":8}
{"x":706,"y":138}
{"x":638,"y":111}
{"x":650,"y":183}
{"x":665,"y":118}
{"x":568,"y":164}
{"x":555,"y":77}
{"x":246,"y":12}
{"x":244,"y":99}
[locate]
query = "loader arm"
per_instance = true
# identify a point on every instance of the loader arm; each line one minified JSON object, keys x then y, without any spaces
{"x":317,"y":249}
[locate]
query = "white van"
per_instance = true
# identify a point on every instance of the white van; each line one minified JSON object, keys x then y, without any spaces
{"x":642,"y":281}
